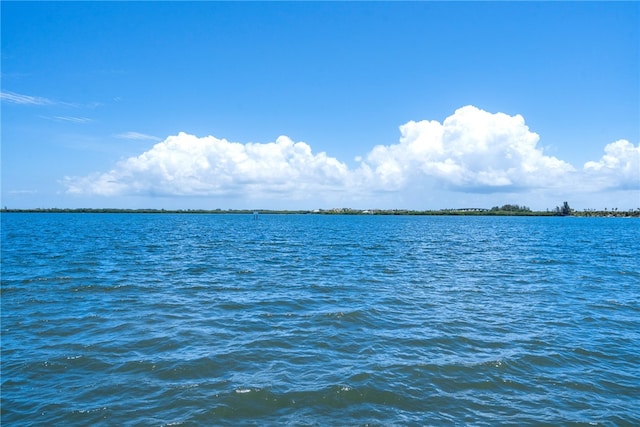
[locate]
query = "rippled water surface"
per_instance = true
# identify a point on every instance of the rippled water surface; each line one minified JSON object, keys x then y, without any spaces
{"x":134,"y":319}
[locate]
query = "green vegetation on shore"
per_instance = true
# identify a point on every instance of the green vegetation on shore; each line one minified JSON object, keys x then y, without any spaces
{"x":505,"y":210}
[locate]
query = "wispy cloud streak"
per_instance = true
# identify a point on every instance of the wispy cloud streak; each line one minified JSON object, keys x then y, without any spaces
{"x":16,"y":98}
{"x":137,"y":136}
{"x":20,"y":99}
{"x":72,"y":119}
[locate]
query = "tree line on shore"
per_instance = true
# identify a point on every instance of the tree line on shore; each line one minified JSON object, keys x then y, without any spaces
{"x":504,"y":210}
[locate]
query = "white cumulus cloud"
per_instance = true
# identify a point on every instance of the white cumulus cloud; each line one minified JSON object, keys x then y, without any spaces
{"x":619,"y":167}
{"x":187,"y":165}
{"x":470,"y":151}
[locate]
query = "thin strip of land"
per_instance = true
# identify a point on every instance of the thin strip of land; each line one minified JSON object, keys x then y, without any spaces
{"x":506,"y":210}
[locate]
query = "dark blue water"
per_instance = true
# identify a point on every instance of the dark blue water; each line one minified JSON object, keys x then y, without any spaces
{"x":133,"y":319}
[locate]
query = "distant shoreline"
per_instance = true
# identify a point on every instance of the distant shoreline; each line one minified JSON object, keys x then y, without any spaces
{"x":634,"y":213}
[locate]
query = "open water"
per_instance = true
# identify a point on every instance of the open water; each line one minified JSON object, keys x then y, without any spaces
{"x":161,"y":319}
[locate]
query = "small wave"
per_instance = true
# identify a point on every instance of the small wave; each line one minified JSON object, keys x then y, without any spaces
{"x":48,"y":279}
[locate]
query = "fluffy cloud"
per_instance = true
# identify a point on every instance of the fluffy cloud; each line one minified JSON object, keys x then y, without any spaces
{"x":619,"y":168}
{"x":470,"y":151}
{"x":191,"y":166}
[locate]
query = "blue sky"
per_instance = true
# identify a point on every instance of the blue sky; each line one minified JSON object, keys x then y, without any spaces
{"x":419,"y":105}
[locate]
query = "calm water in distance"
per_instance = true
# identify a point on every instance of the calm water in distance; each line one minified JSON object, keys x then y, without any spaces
{"x":134,"y":319}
